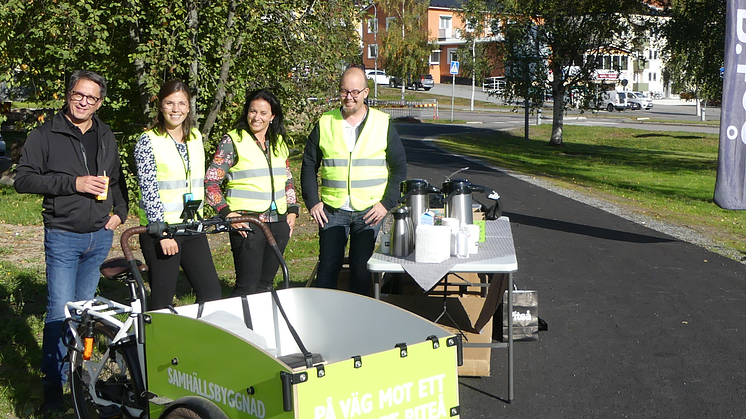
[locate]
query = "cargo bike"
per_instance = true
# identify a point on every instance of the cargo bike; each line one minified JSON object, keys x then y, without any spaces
{"x":293,"y":353}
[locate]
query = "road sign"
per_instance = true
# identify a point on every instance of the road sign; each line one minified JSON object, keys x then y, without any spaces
{"x":454,"y":67}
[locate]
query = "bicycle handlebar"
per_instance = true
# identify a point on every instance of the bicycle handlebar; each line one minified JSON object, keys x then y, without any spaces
{"x":161,"y":229}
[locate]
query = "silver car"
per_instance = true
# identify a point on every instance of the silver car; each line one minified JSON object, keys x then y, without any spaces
{"x":640,"y":99}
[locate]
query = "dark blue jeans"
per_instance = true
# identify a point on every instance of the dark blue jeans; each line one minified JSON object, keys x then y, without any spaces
{"x":332,"y":242}
{"x":72,"y":260}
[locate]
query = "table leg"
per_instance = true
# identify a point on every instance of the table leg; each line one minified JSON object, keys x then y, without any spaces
{"x":510,"y":338}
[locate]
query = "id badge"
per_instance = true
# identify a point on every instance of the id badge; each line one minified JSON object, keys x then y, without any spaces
{"x":188,"y":197}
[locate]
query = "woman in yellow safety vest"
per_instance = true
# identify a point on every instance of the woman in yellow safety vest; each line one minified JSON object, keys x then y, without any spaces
{"x":254,"y":160}
{"x":170,"y":162}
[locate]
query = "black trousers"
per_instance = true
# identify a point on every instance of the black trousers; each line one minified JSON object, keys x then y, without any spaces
{"x":255,"y":261}
{"x":194,"y":257}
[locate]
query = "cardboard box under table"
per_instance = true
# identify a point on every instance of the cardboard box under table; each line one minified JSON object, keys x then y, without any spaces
{"x":496,"y":258}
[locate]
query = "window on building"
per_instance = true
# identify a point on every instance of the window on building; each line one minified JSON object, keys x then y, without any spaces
{"x":652,"y":76}
{"x":373,"y":25}
{"x":389,"y":21}
{"x":372,"y":51}
{"x":435,"y":56}
{"x":444,"y":27}
{"x":452,"y":55}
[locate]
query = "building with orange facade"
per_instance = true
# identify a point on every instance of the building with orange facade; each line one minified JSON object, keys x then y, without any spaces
{"x":446,"y":32}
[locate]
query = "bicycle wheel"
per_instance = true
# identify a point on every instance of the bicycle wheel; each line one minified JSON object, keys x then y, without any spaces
{"x":106,"y":394}
{"x":193,"y":407}
{"x":184,"y":413}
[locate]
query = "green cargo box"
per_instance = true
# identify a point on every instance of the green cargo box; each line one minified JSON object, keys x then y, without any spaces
{"x":371,"y":359}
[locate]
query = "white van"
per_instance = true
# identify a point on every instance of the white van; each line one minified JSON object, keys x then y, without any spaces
{"x":614,"y":100}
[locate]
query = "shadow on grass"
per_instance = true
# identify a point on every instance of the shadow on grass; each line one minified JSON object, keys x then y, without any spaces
{"x":22,"y":300}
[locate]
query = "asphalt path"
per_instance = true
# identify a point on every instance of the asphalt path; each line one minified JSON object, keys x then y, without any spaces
{"x":641,"y":325}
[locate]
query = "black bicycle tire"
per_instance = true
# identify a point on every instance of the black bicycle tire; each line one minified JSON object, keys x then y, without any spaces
{"x":83,"y":405}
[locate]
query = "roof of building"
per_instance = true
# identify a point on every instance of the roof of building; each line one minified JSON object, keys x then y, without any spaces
{"x":446,"y":3}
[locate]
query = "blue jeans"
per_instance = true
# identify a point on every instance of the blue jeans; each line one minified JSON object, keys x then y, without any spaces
{"x":73,"y":261}
{"x":332,"y":242}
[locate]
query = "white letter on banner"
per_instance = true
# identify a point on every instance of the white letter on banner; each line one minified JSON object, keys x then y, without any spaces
{"x":740,"y":17}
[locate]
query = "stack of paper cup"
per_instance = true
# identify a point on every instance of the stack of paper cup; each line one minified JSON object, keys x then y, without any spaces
{"x":454,"y":223}
{"x":473,"y":238}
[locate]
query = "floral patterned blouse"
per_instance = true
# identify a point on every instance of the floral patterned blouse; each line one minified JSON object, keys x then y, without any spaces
{"x":225,"y":158}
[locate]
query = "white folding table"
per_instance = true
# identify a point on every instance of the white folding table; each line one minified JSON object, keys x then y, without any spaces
{"x":501,"y":267}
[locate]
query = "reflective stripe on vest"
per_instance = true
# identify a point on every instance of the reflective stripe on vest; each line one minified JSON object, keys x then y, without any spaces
{"x":172,"y":177}
{"x":362,"y":174}
{"x":250,"y":181}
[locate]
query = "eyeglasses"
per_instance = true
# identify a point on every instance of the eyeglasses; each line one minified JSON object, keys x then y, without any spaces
{"x":355,"y":93}
{"x":173,"y":105}
{"x":78,"y":97}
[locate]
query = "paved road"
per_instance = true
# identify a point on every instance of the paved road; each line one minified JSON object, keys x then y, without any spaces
{"x":663,"y":109}
{"x":641,"y":325}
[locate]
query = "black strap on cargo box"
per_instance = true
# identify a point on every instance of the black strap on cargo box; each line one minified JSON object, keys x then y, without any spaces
{"x":246,"y":312}
{"x":306,"y":354}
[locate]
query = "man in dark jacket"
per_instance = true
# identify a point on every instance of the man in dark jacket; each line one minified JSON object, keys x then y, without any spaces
{"x":68,"y":161}
{"x":361,"y":160}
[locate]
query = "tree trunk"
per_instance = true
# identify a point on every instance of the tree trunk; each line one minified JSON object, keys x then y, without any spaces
{"x":134,"y":35}
{"x":217,"y":102}
{"x":192,"y":25}
{"x":558,"y":107}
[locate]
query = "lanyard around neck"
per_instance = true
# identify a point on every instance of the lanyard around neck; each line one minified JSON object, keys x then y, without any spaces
{"x":185,"y":163}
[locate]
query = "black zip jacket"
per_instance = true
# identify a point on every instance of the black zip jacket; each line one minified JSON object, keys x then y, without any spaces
{"x":52,"y":158}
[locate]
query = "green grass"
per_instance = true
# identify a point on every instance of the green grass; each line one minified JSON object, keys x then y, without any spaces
{"x":15,"y":208}
{"x":22,"y":305}
{"x":665,"y":175}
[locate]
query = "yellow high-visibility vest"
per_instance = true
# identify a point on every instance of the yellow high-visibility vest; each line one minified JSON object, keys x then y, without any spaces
{"x":174,"y":180}
{"x":362,"y":174}
{"x":253,"y":183}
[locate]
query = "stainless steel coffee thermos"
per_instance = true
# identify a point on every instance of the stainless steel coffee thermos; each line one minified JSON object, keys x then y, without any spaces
{"x":402,"y":233}
{"x":416,"y":195}
{"x":457,"y":199}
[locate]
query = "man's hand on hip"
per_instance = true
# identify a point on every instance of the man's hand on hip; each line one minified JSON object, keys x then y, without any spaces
{"x":317,"y":212}
{"x":376,"y":214}
{"x":113,"y":223}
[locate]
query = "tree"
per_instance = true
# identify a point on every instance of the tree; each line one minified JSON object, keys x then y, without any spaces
{"x":221,"y":48}
{"x":404,"y":46}
{"x":695,"y":46}
{"x":557,"y":43}
{"x":478,"y":54}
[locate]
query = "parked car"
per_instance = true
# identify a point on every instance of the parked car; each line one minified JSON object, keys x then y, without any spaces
{"x":378,"y":76}
{"x":424,"y":82}
{"x":613,"y":100}
{"x":2,"y":146}
{"x":640,"y":100}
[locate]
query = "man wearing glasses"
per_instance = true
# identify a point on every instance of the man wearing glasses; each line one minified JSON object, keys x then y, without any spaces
{"x":361,"y":160}
{"x":73,"y":162}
